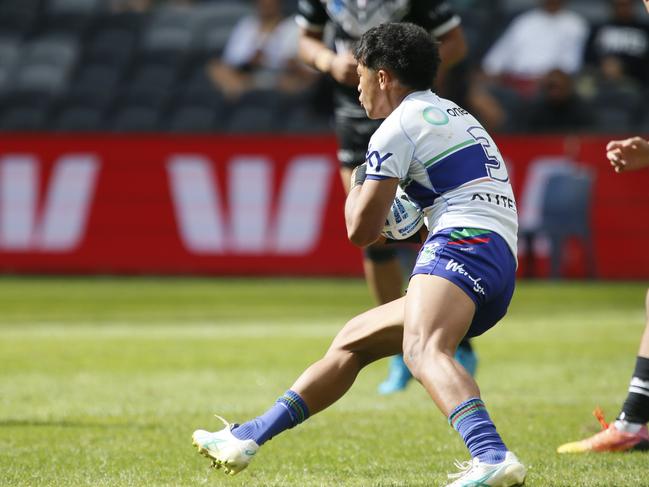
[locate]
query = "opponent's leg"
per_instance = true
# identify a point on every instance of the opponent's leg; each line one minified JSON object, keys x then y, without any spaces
{"x":368,"y":337}
{"x":399,"y":374}
{"x":438,"y":315}
{"x":636,"y":406}
{"x":629,"y":431}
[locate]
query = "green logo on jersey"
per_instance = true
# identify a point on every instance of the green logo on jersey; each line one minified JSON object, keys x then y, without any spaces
{"x":435,"y":116}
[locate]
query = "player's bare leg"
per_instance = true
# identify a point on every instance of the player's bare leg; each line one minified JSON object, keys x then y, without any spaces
{"x":629,"y":431}
{"x":438,"y":315}
{"x":644,"y":342}
{"x":384,"y":278}
{"x":368,"y":337}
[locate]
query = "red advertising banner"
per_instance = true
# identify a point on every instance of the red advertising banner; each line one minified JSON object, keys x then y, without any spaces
{"x":261,"y":205}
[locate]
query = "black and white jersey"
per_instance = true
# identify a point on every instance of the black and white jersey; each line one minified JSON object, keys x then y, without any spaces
{"x":351,"y":18}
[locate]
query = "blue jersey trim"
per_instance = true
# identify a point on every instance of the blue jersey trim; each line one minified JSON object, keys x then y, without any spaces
{"x":465,"y":165}
{"x":378,"y":177}
{"x":424,"y":197}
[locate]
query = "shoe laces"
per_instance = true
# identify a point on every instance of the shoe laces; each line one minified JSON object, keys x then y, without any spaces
{"x":599,"y":414}
{"x":227,"y":424}
{"x":463,"y":467}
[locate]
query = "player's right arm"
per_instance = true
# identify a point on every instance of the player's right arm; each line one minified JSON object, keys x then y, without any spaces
{"x":366,"y":208}
{"x":312,"y":18}
{"x":628,"y":154}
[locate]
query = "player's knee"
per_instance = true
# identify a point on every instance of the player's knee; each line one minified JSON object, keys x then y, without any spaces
{"x":412,"y":353}
{"x":351,"y":343}
{"x":416,"y":349}
{"x":346,"y":339}
{"x":380,"y":253}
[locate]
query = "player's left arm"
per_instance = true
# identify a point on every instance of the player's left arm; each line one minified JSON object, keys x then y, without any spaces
{"x":453,"y":47}
{"x":366,"y":208}
{"x":439,"y":17}
{"x":452,"y":50}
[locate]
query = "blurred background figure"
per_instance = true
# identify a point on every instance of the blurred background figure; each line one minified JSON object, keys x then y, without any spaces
{"x":557,"y":107}
{"x":619,"y":47}
{"x":261,"y":53}
{"x":537,"y":41}
{"x":616,"y":68}
{"x":130,"y":5}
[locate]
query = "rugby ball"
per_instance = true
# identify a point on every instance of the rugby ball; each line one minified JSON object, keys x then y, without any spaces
{"x":404,"y":219}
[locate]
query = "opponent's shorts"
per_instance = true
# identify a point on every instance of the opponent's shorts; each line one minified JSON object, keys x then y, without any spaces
{"x":353,"y":136}
{"x":480,"y":263}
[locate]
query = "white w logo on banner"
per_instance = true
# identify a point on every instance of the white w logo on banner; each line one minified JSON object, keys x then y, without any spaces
{"x":250,"y":228}
{"x":60,"y":224}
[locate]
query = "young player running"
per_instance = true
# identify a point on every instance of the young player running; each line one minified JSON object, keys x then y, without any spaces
{"x":349,"y":19}
{"x":629,"y":431}
{"x":463,"y":279}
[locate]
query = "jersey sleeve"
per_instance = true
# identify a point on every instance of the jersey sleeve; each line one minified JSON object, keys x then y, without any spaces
{"x":389,"y":153}
{"x":311,"y":15}
{"x":436,"y":16}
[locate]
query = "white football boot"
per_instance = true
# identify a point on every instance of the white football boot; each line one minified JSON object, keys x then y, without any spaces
{"x":474,"y":473}
{"x":224,"y":449}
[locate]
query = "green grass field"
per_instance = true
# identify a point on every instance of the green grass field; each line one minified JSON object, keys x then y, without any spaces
{"x":102,"y":382}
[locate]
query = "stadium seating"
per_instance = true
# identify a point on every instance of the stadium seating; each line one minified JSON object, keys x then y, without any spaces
{"x":77,"y":119}
{"x":89,"y":68}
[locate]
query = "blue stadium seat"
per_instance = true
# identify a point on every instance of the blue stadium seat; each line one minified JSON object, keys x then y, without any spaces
{"x":135,"y":119}
{"x":565,"y":213}
{"x":22,"y":119}
{"x":302,"y":119}
{"x":618,"y":108}
{"x":40,"y":78}
{"x":593,"y":12}
{"x":19,"y":17}
{"x":193,"y":119}
{"x":215,"y":24}
{"x":77,"y":119}
{"x":9,"y":54}
{"x":111,"y":46}
{"x":251,"y":118}
{"x":94,"y":86}
{"x":70,"y":16}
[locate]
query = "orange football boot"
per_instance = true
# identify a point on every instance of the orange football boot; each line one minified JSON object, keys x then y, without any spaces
{"x":610,"y":439}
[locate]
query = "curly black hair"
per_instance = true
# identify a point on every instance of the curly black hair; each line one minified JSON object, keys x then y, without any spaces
{"x":405,"y":49}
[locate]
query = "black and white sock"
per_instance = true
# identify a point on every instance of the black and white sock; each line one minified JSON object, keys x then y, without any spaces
{"x":636,"y":406}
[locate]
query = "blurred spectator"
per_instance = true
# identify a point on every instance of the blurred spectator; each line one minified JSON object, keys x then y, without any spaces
{"x":558,"y":107}
{"x":130,"y":5}
{"x":118,"y":6}
{"x":619,"y":48}
{"x":537,"y":41}
{"x":261,"y":53}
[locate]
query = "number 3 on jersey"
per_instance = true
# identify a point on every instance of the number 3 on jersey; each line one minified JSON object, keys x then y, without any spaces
{"x":496,"y":166}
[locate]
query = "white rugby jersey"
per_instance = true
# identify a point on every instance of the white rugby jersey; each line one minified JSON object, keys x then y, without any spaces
{"x":447,"y":163}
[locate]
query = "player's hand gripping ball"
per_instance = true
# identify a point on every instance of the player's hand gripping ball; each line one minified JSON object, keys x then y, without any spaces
{"x":404,"y":219}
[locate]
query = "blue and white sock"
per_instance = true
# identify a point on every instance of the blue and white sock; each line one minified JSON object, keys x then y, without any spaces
{"x":289,"y":411}
{"x":472,"y":421}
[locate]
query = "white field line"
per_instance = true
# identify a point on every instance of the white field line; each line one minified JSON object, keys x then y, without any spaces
{"x":121,"y":329}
